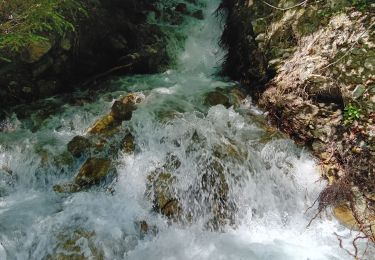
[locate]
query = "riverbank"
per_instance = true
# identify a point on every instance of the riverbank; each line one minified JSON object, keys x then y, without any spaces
{"x":54,"y":47}
{"x":318,"y":59}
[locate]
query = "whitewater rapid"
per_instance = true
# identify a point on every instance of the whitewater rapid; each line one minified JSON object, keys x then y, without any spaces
{"x":272,"y":187}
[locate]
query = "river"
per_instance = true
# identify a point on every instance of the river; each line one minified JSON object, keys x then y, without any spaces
{"x":271,"y":187}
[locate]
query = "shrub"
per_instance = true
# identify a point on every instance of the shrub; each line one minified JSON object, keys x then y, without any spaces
{"x":27,"y":21}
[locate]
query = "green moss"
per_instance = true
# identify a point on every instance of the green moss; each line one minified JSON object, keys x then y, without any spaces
{"x":24,"y":22}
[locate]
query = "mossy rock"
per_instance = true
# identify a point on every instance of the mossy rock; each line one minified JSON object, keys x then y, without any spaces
{"x":92,"y":171}
{"x":35,"y":51}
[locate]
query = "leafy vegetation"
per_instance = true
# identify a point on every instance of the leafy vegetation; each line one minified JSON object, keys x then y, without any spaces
{"x":23,"y":22}
{"x":351,"y":113}
{"x":361,"y":5}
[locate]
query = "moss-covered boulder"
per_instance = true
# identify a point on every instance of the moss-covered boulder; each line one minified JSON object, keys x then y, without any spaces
{"x":35,"y":51}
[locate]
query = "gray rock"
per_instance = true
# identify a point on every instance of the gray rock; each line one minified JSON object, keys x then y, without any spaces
{"x":358,"y":91}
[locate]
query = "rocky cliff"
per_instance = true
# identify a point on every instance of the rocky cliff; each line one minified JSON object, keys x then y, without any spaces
{"x":319,"y":61}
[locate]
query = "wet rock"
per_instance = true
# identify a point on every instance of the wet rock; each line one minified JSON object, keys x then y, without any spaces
{"x":171,"y":209}
{"x":35,"y":51}
{"x":103,"y":125}
{"x":237,"y":95}
{"x":66,"y":188}
{"x":181,"y":8}
{"x":78,"y":145}
{"x":76,"y":246}
{"x":198,"y":15}
{"x":230,"y":152}
{"x":217,"y":98}
{"x":123,"y":109}
{"x":160,"y":185}
{"x":128,"y":144}
{"x":145,"y":229}
{"x":92,"y":171}
{"x":215,"y":185}
{"x":172,"y":163}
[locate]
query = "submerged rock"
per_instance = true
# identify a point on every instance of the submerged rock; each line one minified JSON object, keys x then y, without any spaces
{"x":92,"y":171}
{"x":79,"y":245}
{"x":181,"y":8}
{"x":66,"y":188}
{"x":198,"y":15}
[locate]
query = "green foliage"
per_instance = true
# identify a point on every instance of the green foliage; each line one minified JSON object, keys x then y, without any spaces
{"x":328,"y":10}
{"x":351,"y":113}
{"x":361,"y":5}
{"x":26,"y":21}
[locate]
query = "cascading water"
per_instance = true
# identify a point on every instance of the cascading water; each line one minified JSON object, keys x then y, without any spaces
{"x":268,"y":182}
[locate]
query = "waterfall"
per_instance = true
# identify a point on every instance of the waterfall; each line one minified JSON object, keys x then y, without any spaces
{"x":267,"y":181}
